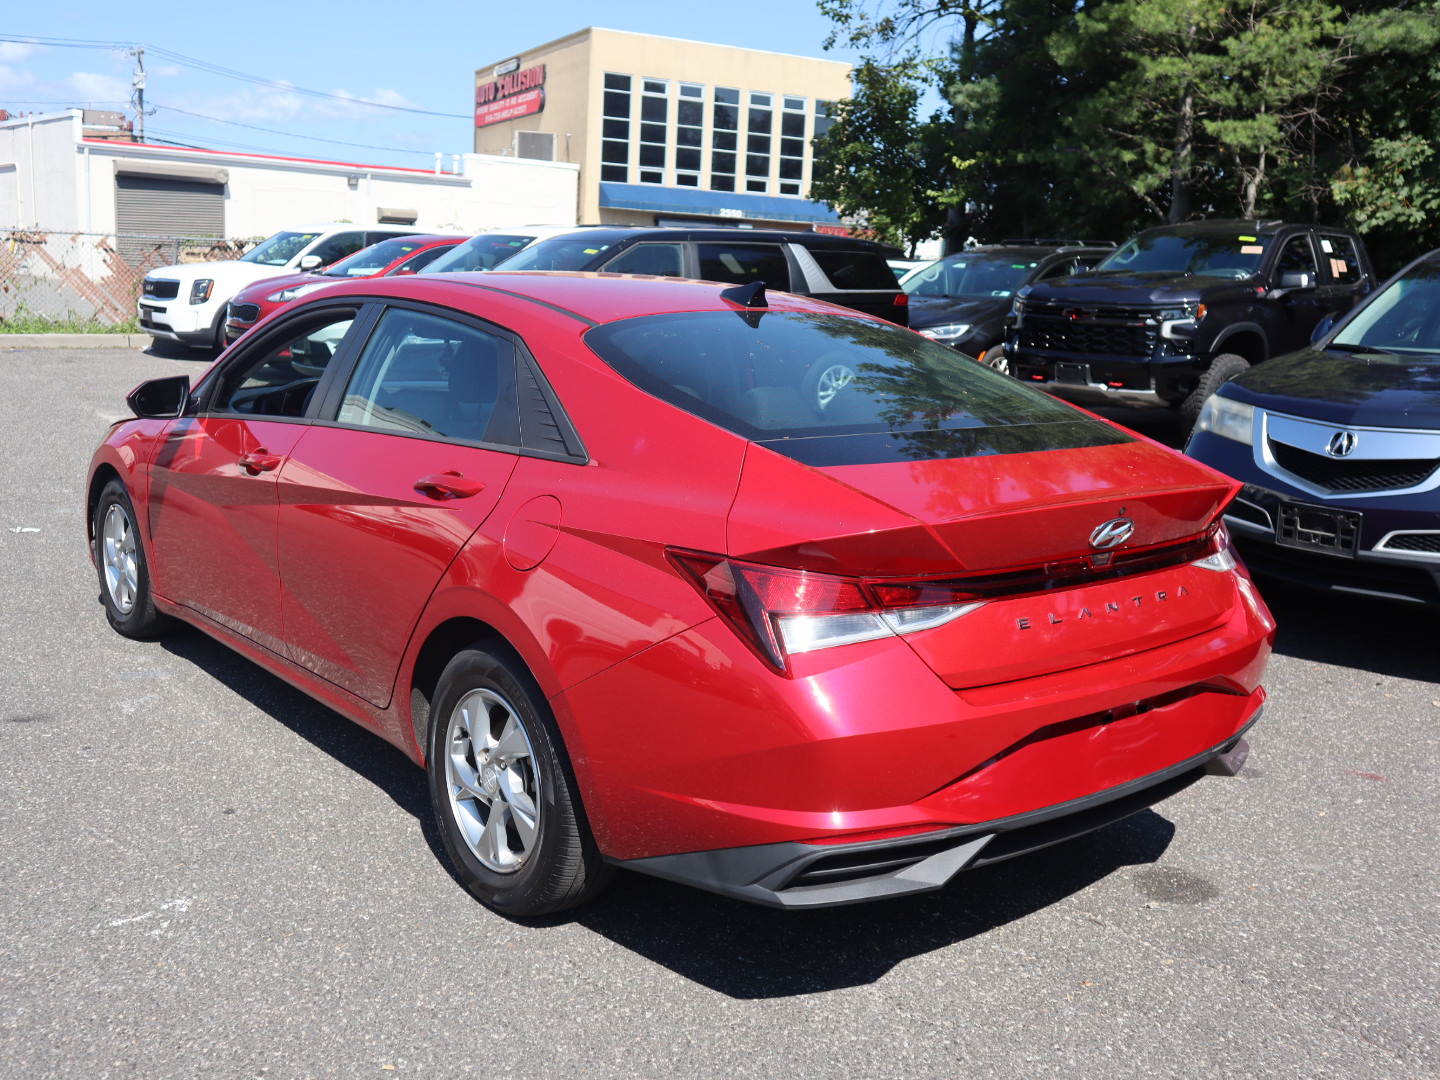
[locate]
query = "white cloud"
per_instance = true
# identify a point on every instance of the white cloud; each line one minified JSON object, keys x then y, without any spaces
{"x":12,"y":80}
{"x":356,"y":106}
{"x":13,"y":52}
{"x":89,"y":86}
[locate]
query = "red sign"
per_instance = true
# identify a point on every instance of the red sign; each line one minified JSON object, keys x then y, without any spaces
{"x":520,"y":93}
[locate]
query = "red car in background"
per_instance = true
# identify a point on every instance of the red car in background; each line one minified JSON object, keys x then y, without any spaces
{"x":747,"y":591}
{"x":399,"y":255}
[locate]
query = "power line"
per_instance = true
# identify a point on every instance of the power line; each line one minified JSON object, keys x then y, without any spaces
{"x":229,"y":73}
{"x":288,"y":134}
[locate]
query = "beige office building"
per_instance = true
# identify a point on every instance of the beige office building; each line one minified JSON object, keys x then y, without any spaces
{"x":666,"y":131}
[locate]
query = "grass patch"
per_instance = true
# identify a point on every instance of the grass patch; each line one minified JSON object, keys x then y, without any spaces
{"x":24,"y":323}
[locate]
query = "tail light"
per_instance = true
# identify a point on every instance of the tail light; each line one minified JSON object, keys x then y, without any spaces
{"x":780,"y":612}
{"x":902,"y":299}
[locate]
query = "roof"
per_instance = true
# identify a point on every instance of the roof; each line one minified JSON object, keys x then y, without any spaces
{"x":716,"y":204}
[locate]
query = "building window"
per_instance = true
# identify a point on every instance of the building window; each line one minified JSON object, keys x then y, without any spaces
{"x":724,"y":138}
{"x":758,"y":138}
{"x":689,"y":134}
{"x":615,"y":130}
{"x":654,"y":130}
{"x":824,"y":118}
{"x":792,"y":145}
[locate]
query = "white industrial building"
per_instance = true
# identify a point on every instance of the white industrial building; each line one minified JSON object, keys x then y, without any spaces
{"x":54,"y":179}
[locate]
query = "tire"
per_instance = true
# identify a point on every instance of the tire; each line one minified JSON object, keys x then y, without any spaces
{"x":502,"y":791}
{"x":123,"y":568}
{"x":994,"y":358}
{"x":1221,"y":370}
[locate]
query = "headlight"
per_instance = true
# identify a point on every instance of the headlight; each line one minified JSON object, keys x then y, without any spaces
{"x":294,"y":292}
{"x":200,"y":291}
{"x":945,"y":332}
{"x":1228,"y":418}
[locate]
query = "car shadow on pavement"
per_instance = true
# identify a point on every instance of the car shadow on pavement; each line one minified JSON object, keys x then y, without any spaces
{"x":738,"y":949}
{"x":751,"y":952}
{"x":1379,"y":636}
{"x":353,"y":746}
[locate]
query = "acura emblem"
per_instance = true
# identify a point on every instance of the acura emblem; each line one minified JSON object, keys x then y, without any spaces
{"x":1113,"y":532}
{"x":1342,"y":444}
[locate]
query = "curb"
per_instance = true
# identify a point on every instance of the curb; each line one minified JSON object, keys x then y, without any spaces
{"x":75,"y":341}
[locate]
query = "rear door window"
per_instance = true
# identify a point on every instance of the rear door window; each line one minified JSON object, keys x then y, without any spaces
{"x":1337,"y":253}
{"x":422,"y":374}
{"x":744,"y":263}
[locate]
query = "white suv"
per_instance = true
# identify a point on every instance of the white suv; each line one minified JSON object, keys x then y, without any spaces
{"x":186,"y":303}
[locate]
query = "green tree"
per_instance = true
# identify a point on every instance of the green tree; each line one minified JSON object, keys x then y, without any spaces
{"x":878,"y":164}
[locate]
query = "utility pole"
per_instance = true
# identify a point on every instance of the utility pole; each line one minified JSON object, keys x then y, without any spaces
{"x":137,"y":96}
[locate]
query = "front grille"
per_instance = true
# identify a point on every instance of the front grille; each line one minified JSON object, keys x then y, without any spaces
{"x":1428,"y":542}
{"x":1345,"y":474}
{"x":1103,"y":331}
{"x":159,"y":289}
{"x":246,"y":313}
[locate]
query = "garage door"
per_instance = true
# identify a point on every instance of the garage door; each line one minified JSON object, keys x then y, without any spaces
{"x":151,"y":207}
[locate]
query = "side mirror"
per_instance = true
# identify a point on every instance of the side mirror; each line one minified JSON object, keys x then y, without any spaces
{"x":309,"y":262}
{"x":1322,"y":328}
{"x":160,"y":399}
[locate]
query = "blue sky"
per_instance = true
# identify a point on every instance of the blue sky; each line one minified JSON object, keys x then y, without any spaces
{"x":418,"y":56}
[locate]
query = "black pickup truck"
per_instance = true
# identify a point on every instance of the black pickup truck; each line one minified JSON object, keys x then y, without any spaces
{"x":1180,"y":309}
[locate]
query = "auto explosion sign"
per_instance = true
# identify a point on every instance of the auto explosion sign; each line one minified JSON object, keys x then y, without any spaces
{"x":520,"y":93}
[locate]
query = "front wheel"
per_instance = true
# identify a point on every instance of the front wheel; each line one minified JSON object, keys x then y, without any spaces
{"x":1221,"y":370}
{"x":124,"y":572}
{"x":995,"y":358}
{"x":502,"y":795}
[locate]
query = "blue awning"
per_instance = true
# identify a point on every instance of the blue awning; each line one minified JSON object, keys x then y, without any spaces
{"x":669,"y":200}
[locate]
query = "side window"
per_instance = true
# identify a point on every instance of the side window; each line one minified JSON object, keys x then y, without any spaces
{"x":280,"y":377}
{"x":338,"y":246}
{"x":743,"y":263}
{"x":1064,"y":268}
{"x":1338,"y":255}
{"x":422,"y":374}
{"x":854,"y":269}
{"x":660,"y":260}
{"x":1296,"y":257}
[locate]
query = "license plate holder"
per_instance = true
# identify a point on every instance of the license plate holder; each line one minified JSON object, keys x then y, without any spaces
{"x":1317,"y":528}
{"x":1072,"y":374}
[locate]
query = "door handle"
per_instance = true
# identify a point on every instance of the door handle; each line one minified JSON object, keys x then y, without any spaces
{"x":448,"y":485}
{"x":259,"y":460}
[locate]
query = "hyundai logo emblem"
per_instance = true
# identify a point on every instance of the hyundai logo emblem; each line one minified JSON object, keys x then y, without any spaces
{"x":1342,"y":444}
{"x":1113,"y":532}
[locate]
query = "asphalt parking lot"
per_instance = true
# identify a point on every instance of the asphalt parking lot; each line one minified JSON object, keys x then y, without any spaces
{"x":204,"y":873}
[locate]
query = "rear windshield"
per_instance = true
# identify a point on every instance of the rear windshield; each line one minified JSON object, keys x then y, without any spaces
{"x":831,"y":390}
{"x":481,"y":252}
{"x":1215,"y":254}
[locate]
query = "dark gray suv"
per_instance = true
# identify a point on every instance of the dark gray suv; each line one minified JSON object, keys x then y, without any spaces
{"x":839,"y":269}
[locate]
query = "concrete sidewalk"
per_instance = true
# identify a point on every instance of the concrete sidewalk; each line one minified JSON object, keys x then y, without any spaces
{"x":75,"y":341}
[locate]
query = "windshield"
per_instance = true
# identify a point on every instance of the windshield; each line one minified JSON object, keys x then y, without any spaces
{"x":1404,"y":317}
{"x":1224,"y":255}
{"x":987,"y":274}
{"x":368,"y":262}
{"x":832,"y":390}
{"x":481,"y":252}
{"x":558,"y":253}
{"x":280,"y":248}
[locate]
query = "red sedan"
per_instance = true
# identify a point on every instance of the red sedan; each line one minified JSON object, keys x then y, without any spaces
{"x":398,"y":255}
{"x":745,"y":591}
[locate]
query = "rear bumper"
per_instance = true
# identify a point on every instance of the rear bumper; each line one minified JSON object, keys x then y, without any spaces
{"x":798,"y":875}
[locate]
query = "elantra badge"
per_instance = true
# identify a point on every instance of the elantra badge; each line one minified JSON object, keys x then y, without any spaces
{"x":1342,"y":444}
{"x":1113,"y":532}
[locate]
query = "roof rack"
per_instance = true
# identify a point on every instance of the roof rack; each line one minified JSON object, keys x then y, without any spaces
{"x":1053,"y":242}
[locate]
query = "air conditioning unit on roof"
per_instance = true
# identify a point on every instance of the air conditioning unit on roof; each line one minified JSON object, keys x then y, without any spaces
{"x":537,"y":145}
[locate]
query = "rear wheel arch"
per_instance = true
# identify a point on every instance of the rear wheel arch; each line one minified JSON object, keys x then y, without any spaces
{"x":443,"y":643}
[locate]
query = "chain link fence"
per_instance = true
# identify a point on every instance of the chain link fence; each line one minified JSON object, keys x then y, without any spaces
{"x":69,"y":280}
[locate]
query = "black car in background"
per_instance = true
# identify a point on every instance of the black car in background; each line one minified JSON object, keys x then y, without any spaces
{"x":1338,"y":446}
{"x":839,"y":269}
{"x":1179,"y":309}
{"x":962,"y":299}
